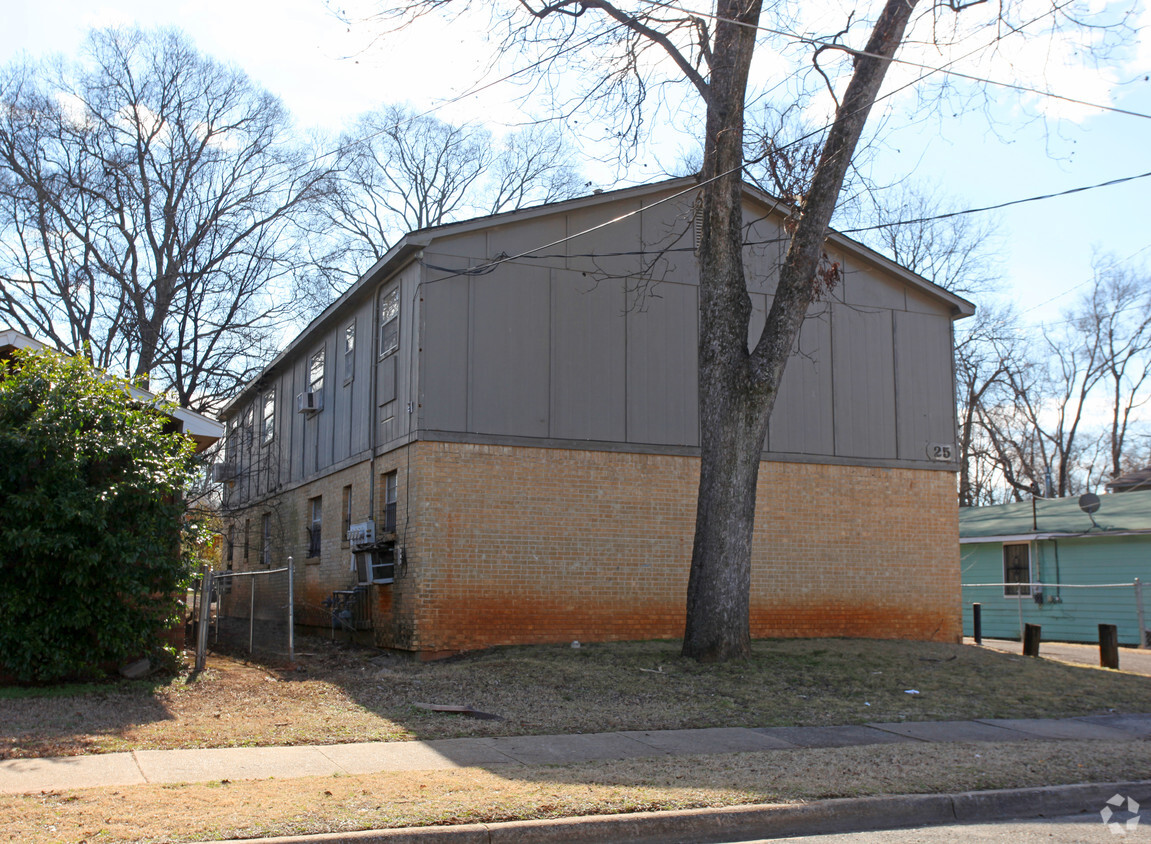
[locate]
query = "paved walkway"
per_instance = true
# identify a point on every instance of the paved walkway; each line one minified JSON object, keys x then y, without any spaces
{"x":164,"y":766}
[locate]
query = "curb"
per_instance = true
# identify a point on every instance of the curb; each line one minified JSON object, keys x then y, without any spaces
{"x":744,"y":823}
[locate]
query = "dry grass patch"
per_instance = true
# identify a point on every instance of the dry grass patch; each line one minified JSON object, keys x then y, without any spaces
{"x":345,"y":694}
{"x":223,"y":810}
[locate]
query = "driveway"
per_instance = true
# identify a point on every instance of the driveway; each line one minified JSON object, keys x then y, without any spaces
{"x":1130,"y":659}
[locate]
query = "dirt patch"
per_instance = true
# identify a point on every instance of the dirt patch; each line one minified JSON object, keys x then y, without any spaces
{"x":223,"y":810}
{"x":344,"y":694}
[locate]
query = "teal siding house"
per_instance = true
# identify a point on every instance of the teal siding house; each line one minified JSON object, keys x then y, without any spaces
{"x":1048,"y":562}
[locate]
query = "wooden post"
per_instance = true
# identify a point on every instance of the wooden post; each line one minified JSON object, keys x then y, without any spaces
{"x":1109,"y":646}
{"x":1031,"y":640}
{"x":977,"y":622}
{"x":1139,"y":615}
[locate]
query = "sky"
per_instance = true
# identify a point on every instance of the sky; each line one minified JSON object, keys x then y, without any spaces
{"x":1005,"y":147}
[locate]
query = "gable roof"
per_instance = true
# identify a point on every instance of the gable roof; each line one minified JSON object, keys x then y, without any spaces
{"x":1126,"y":514}
{"x":412,"y":244}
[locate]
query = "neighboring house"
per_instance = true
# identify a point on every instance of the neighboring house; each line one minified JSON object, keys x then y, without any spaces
{"x":1048,"y":562}
{"x":492,"y":437}
{"x":203,"y":431}
{"x":1137,"y":479}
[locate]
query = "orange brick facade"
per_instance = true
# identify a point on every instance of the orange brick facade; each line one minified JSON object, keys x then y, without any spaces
{"x":516,"y":545}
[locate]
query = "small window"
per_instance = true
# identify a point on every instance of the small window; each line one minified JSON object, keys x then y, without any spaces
{"x":390,"y":486}
{"x":1017,"y":569}
{"x":231,"y":441}
{"x":390,"y":321}
{"x":316,"y":373}
{"x":316,"y":514}
{"x":249,"y":425}
{"x":268,"y":422}
{"x":266,"y":541}
{"x":347,"y":510}
{"x":349,"y":352}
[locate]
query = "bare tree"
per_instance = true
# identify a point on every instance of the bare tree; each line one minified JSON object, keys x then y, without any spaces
{"x":919,"y":228}
{"x":711,"y":53}
{"x":148,"y":200}
{"x":402,"y":171}
{"x":1118,"y":312}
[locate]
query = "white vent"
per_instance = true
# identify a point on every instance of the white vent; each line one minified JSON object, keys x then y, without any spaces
{"x":309,"y":402}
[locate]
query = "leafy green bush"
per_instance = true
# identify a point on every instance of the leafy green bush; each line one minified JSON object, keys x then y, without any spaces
{"x":91,"y":512}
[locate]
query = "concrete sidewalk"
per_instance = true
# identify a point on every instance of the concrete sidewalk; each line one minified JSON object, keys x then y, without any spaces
{"x":167,"y":766}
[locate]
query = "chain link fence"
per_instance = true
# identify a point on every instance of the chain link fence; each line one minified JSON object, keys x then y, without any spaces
{"x":1067,"y":612}
{"x":246,"y":611}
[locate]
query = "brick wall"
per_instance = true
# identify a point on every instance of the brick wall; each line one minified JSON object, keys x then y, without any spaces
{"x":511,"y":545}
{"x":517,"y":544}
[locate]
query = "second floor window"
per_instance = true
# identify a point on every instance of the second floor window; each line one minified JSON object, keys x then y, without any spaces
{"x":390,"y":321}
{"x":268,"y":423}
{"x":349,"y":352}
{"x":316,"y":373}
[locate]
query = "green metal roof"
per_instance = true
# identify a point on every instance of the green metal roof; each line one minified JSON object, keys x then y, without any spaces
{"x":1125,"y":512}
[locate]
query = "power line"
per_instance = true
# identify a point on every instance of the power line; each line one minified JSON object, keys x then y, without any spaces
{"x":1107,"y":184}
{"x":823,"y":42}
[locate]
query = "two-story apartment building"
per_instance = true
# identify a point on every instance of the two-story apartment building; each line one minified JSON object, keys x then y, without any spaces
{"x":493,"y":435}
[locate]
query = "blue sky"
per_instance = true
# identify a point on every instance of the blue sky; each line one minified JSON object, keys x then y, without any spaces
{"x":327,"y":74}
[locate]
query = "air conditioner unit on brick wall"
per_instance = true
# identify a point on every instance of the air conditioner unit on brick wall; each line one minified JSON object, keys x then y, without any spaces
{"x":309,"y":402}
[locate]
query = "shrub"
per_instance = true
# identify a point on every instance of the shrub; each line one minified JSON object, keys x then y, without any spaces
{"x":91,"y":511}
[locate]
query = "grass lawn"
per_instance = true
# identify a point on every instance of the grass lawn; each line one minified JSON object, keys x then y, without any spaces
{"x":344,"y":694}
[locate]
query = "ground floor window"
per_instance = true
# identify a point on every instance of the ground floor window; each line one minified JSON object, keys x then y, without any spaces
{"x":1017,"y":569}
{"x":316,"y":519}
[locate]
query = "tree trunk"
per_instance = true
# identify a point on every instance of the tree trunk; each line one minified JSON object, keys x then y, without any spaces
{"x":737,"y":390}
{"x":731,"y":434}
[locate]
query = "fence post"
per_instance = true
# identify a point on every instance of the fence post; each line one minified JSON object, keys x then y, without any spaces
{"x":977,"y":622}
{"x":1031,"y":640}
{"x":252,"y":615}
{"x":1109,"y":646}
{"x":1139,"y":614}
{"x":291,"y":612}
{"x":205,"y":615}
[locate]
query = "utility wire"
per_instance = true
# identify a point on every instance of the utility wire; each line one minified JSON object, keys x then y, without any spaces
{"x":1068,"y":192}
{"x":823,"y":42}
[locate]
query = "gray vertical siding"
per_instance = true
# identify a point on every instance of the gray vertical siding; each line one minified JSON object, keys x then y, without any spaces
{"x":662,"y":386}
{"x":862,"y":366}
{"x":593,"y":338}
{"x":508,"y":360}
{"x":589,"y":340}
{"x":804,"y":418}
{"x":923,"y":385}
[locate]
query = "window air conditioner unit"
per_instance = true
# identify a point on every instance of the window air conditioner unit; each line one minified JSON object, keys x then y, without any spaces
{"x":309,"y":402}
{"x":223,"y":472}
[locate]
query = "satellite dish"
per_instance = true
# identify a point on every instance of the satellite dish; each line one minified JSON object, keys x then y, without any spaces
{"x":1089,"y":503}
